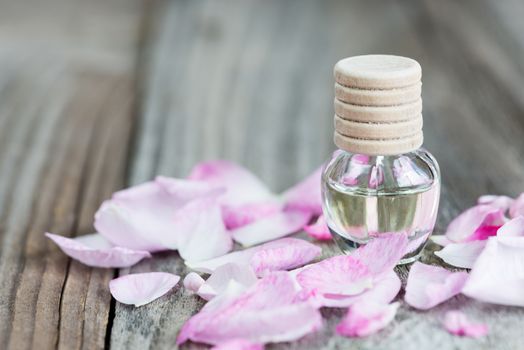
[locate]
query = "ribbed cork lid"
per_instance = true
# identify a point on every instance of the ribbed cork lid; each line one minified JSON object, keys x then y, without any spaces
{"x":378,"y":105}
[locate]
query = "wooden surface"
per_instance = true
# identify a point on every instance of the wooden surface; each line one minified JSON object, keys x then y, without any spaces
{"x":96,"y":95}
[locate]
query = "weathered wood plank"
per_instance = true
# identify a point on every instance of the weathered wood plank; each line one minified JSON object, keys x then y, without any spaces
{"x":66,"y":116}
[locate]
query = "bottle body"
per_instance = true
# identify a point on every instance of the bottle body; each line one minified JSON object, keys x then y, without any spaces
{"x":365,"y":196}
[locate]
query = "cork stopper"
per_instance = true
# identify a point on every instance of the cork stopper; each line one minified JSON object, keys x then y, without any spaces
{"x":378,"y":104}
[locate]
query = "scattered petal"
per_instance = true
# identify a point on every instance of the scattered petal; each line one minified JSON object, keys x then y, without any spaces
{"x":272,"y":227}
{"x":235,"y":217}
{"x":512,"y":228}
{"x":501,"y":202}
{"x":339,"y":275}
{"x":142,"y":288}
{"x":498,"y":274}
{"x":383,"y":252}
{"x":441,"y":240}
{"x":476,"y":223}
{"x":306,"y":196}
{"x":517,"y":207}
{"x":366,"y":318}
{"x":428,"y":286}
{"x":193,"y":281}
{"x":462,"y":255}
{"x":456,"y":322}
{"x":95,"y":250}
{"x":238,"y":344}
{"x":319,"y":230}
{"x":219,"y":280}
{"x":282,"y":254}
{"x":267,"y":312}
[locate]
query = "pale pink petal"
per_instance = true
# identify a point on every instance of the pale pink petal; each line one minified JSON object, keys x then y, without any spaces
{"x":142,"y":288}
{"x":428,"y":286}
{"x":462,"y":255}
{"x":201,"y":233}
{"x":305,"y":196}
{"x":408,"y":174}
{"x":384,"y":289}
{"x":358,"y":165}
{"x":242,"y":187}
{"x":456,"y":322}
{"x":282,"y":254}
{"x":517,"y":207}
{"x":193,"y":281}
{"x":142,"y":217}
{"x":383,"y":252}
{"x":441,"y":240}
{"x":476,"y":223}
{"x":267,"y":312}
{"x":238,"y":216}
{"x":319,"y":230}
{"x":272,"y":227}
{"x":238,"y":344}
{"x":219,"y":280}
{"x":502,"y":202}
{"x":514,"y":227}
{"x":498,"y":274}
{"x":366,"y":318}
{"x":95,"y":250}
{"x":339,"y":275}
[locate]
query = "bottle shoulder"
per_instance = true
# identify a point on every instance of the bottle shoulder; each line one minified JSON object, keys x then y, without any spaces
{"x":411,"y":172}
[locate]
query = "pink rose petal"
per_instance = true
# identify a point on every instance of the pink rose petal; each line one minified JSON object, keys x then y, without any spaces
{"x":498,"y":274}
{"x":456,"y":322}
{"x":319,"y":230}
{"x":441,"y":240}
{"x":383,"y":252}
{"x":282,"y":254}
{"x":366,"y":318}
{"x":95,"y":250}
{"x":462,"y":255}
{"x":305,"y":196}
{"x":236,"y":217}
{"x":512,"y":228}
{"x":267,"y":312}
{"x":517,"y":207}
{"x":272,"y":227}
{"x":142,"y":288}
{"x":238,"y":344}
{"x":428,"y":286}
{"x":501,"y":202}
{"x":193,"y":281}
{"x":476,"y":223}
{"x":339,"y":275}
{"x":223,"y":275}
{"x":201,"y":233}
{"x":142,"y":217}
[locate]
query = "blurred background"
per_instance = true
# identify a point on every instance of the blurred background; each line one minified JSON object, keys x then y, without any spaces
{"x":96,"y":95}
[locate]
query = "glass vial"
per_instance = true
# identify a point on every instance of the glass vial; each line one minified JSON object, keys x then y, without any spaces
{"x":380,"y":180}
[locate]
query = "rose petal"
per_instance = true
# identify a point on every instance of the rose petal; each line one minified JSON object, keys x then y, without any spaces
{"x":428,"y":286}
{"x":305,"y":196}
{"x":319,"y":230}
{"x":441,"y":240}
{"x":514,"y":227}
{"x":142,"y":288}
{"x":517,"y":207}
{"x":366,"y":318}
{"x":193,"y":281}
{"x":201,"y":233}
{"x":269,"y":228}
{"x":476,"y":223}
{"x":339,"y":275}
{"x":462,"y":255}
{"x":282,"y":254}
{"x":141,"y":217}
{"x":95,"y":250}
{"x":498,"y":274}
{"x":267,"y":312}
{"x":456,"y":322}
{"x":382,"y":253}
{"x":501,"y":202}
{"x":238,"y":344}
{"x":235,"y":217}
{"x":219,"y":280}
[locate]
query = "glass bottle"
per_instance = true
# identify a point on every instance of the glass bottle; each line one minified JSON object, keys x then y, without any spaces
{"x":380,"y":180}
